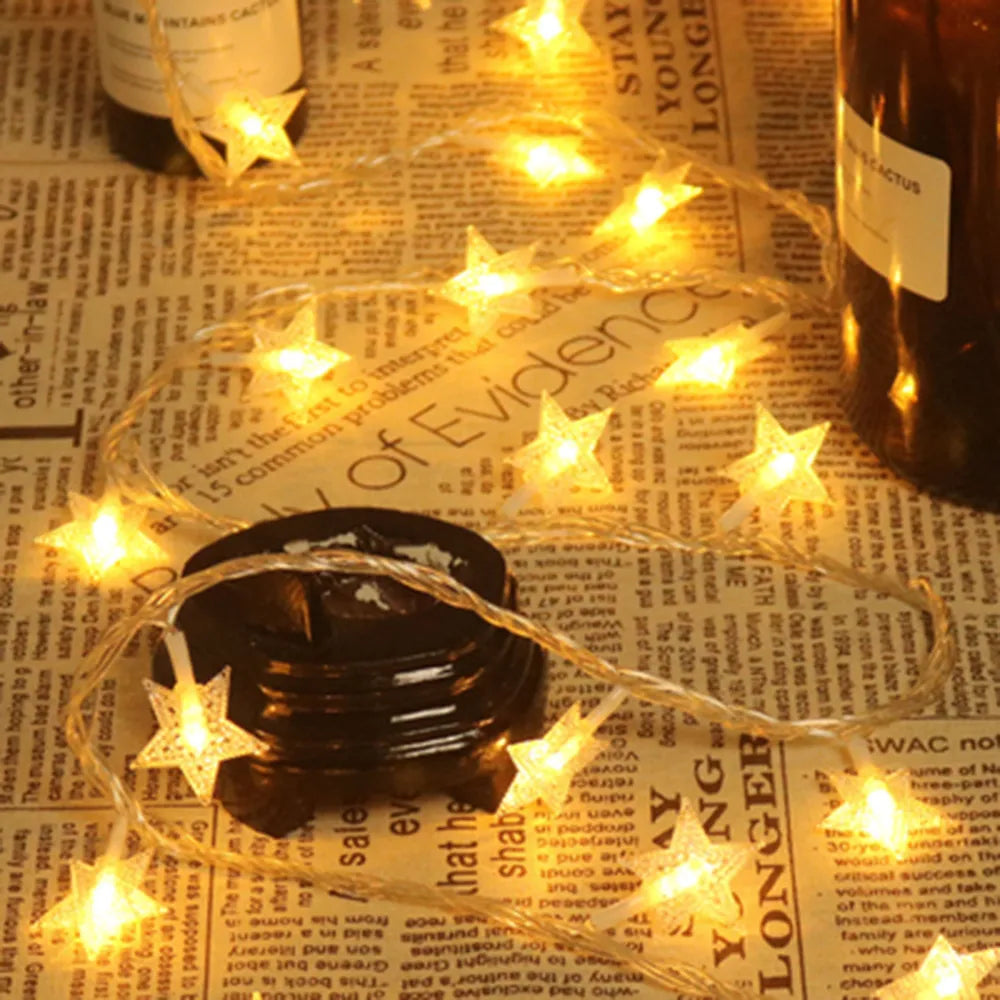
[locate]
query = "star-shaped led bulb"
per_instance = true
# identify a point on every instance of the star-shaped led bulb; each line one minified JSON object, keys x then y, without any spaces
{"x":551,"y":161}
{"x":561,"y":458}
{"x":492,"y":284}
{"x":550,"y":28}
{"x":903,"y":391}
{"x":691,"y":877}
{"x":195,"y":733}
{"x":546,"y":766}
{"x":102,"y":533}
{"x":104,"y":903}
{"x":290,"y":360}
{"x":711,"y":361}
{"x":659,"y":190}
{"x":252,"y":127}
{"x":778,"y":470}
{"x":944,"y":974}
{"x":880,"y":806}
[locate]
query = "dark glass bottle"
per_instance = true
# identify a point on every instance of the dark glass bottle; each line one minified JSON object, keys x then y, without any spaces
{"x":217,"y":46}
{"x":919,"y":206}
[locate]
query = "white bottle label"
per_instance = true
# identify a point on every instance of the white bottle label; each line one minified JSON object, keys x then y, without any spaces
{"x":217,"y":46}
{"x":893,"y":205}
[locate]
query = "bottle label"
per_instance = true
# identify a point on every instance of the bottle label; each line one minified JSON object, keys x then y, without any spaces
{"x":893,"y":205}
{"x":217,"y":46}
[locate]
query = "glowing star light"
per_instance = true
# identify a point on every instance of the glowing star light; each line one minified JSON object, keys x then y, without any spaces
{"x":691,"y":877}
{"x":943,"y":975}
{"x":880,"y":806}
{"x":561,"y":457}
{"x":252,"y":127}
{"x":102,"y":533}
{"x":903,"y":391}
{"x":779,"y":469}
{"x":290,"y":360}
{"x":548,"y":161}
{"x":195,"y":733}
{"x":105,"y":899}
{"x":550,"y":28}
{"x":492,"y":284}
{"x":711,"y":361}
{"x":657,"y":192}
{"x":546,"y":767}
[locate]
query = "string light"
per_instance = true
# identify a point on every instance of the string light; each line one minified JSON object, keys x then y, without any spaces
{"x":944,"y":974}
{"x":547,"y":162}
{"x":102,"y":533}
{"x":880,"y":806}
{"x":670,"y":884}
{"x":778,"y":470}
{"x":933,"y":672}
{"x":691,"y":877}
{"x":492,"y":284}
{"x":290,"y":360}
{"x":195,"y":733}
{"x":659,"y":191}
{"x":105,"y":898}
{"x":561,"y":458}
{"x":712,"y":360}
{"x":252,"y":127}
{"x":549,"y":28}
{"x":546,"y":766}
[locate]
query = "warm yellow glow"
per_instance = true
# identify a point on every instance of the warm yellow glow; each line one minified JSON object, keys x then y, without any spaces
{"x":944,"y":974}
{"x":103,"y":915}
{"x":290,"y":360}
{"x":105,"y":531}
{"x":659,"y":191}
{"x":711,"y":361}
{"x":549,"y":28}
{"x":564,"y":454}
{"x":903,"y":391}
{"x":104,"y":902}
{"x":650,"y":206}
{"x":948,"y":983}
{"x":546,"y":766}
{"x":303,"y":364}
{"x":193,"y":724}
{"x":880,"y":806}
{"x":692,"y":877}
{"x":685,"y":877}
{"x":561,"y":458}
{"x":102,"y":533}
{"x":778,"y":470}
{"x":880,"y":815}
{"x":548,"y":161}
{"x":195,"y":733}
{"x":103,"y":548}
{"x":716,"y":365}
{"x":247,"y":120}
{"x":492,"y":284}
{"x":252,"y":127}
{"x":850,"y":332}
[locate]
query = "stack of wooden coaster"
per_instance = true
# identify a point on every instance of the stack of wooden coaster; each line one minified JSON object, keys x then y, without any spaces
{"x":359,"y":684}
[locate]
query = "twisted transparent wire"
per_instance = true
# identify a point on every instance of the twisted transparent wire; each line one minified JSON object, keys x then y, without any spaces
{"x":133,"y":475}
{"x":127,"y":469}
{"x":663,"y":971}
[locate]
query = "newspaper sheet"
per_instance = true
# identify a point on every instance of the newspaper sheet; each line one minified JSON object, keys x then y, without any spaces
{"x":104,"y":268}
